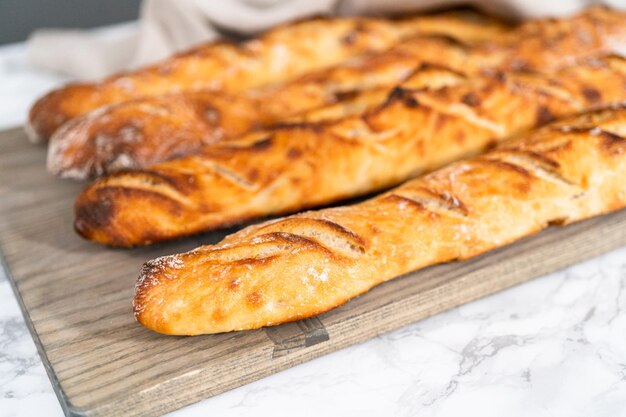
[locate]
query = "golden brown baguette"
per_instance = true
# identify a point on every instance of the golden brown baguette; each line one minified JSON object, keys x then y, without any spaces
{"x":141,"y":132}
{"x":304,"y":265}
{"x":280,"y":54}
{"x":145,"y":131}
{"x":292,"y":167}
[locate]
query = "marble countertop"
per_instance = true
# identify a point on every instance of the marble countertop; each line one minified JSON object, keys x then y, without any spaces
{"x":555,"y":346}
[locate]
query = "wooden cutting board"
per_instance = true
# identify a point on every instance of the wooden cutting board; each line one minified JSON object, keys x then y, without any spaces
{"x":76,"y":298}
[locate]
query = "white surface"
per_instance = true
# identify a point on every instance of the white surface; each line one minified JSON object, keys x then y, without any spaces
{"x":555,"y":346}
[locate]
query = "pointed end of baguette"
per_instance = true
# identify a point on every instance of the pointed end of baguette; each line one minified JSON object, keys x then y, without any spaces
{"x":45,"y":117}
{"x":92,"y":216}
{"x":63,"y":165}
{"x":130,"y":209}
{"x":147,"y":293}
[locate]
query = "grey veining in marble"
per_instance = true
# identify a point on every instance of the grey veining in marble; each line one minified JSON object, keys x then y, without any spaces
{"x":24,"y":386}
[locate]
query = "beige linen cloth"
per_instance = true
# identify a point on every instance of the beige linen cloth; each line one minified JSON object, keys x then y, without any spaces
{"x":166,"y":26}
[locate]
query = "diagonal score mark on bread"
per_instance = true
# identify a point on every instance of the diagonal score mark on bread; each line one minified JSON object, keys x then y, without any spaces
{"x":530,"y":163}
{"x":230,"y":175}
{"x":300,"y":165}
{"x":327,"y":233}
{"x":464,"y":112}
{"x":320,"y":233}
{"x":424,"y":198}
{"x":562,"y":173}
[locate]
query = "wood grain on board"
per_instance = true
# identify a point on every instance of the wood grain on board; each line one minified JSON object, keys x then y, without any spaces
{"x":76,"y":297}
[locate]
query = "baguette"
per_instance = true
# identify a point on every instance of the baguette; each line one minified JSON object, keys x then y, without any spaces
{"x":300,"y":266}
{"x":280,"y":54}
{"x":296,"y":166}
{"x":145,"y":131}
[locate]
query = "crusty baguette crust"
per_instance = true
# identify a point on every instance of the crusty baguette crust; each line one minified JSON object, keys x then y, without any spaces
{"x":303,"y":165}
{"x":168,"y":127}
{"x":145,"y":131}
{"x":282,"y":53}
{"x":142,"y":132}
{"x":304,"y":265}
